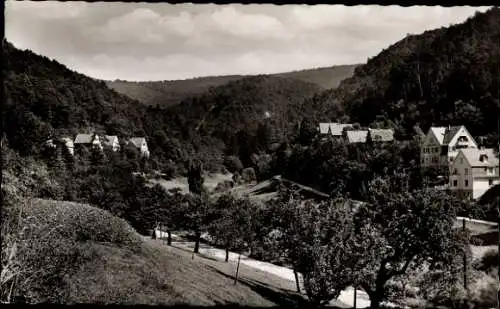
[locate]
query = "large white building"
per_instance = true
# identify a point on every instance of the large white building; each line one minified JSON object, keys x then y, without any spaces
{"x":441,"y":145}
{"x":473,"y":171}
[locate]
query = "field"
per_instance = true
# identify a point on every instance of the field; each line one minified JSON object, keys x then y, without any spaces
{"x":210,"y":182}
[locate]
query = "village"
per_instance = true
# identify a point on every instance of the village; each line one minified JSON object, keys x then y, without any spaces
{"x":465,"y":168}
{"x":469,"y":170}
{"x":95,"y":141}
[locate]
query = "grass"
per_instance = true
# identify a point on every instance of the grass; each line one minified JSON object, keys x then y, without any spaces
{"x":73,"y":253}
{"x":210,"y":182}
{"x":211,"y":282}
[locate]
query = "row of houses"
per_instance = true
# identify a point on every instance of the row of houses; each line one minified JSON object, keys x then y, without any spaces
{"x":96,"y":141}
{"x":354,"y":136}
{"x":472,"y":170}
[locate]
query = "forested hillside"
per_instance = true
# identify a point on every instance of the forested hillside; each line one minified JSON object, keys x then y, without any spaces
{"x":169,"y":93}
{"x":43,"y":98}
{"x":444,"y":76}
{"x":242,"y":117}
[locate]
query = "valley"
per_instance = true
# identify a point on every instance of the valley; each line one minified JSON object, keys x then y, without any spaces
{"x":381,"y":175}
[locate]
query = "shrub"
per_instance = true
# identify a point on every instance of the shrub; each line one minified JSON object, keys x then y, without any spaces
{"x":484,"y":291}
{"x":48,"y":241}
{"x":224,"y":186}
{"x":488,"y":261}
{"x":248,"y":174}
{"x":233,"y":164}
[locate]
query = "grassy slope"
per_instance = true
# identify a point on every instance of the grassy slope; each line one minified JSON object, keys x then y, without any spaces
{"x":168,"y":93}
{"x":113,"y":264}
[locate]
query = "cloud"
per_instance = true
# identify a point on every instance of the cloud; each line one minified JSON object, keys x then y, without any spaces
{"x":163,"y":41}
{"x":47,"y":10}
{"x":251,"y":26}
{"x":140,"y":25}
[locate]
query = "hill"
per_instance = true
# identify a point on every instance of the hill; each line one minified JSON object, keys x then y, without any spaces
{"x":242,"y":117}
{"x":100,"y":259}
{"x":441,"y":77}
{"x":43,"y":98}
{"x":169,"y":93}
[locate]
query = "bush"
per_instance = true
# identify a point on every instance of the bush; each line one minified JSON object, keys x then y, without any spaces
{"x":237,"y":178}
{"x":248,"y":174}
{"x":224,"y":186}
{"x":484,"y":292}
{"x":488,"y":261}
{"x":233,"y":164}
{"x":50,"y":241}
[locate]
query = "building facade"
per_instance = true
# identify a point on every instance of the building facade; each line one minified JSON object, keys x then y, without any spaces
{"x":141,"y":145}
{"x":111,"y":141}
{"x":473,"y":172}
{"x":441,"y":145}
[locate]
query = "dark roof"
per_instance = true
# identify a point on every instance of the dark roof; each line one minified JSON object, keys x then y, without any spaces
{"x":450,"y":133}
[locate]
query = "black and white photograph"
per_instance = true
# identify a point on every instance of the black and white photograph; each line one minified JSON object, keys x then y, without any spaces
{"x":250,"y":155}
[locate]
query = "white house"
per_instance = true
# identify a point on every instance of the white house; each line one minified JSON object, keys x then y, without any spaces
{"x":441,"y":144}
{"x":473,"y":171}
{"x":141,"y":144}
{"x":89,"y":140}
{"x":356,"y":136}
{"x":111,"y":141}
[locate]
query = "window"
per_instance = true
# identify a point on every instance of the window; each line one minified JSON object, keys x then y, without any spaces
{"x":461,"y":160}
{"x":466,"y":172}
{"x":455,"y":183}
{"x":455,"y":171}
{"x":490,"y":170}
{"x":466,"y":183}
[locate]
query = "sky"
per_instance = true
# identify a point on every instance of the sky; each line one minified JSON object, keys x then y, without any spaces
{"x":160,"y":41}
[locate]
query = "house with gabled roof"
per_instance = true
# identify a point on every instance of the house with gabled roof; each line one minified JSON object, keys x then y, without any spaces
{"x":111,"y":141}
{"x":381,"y":135}
{"x":141,"y":144}
{"x":356,"y":136}
{"x":441,"y":144}
{"x":333,"y":128}
{"x":473,"y":172}
{"x":88,"y":140}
